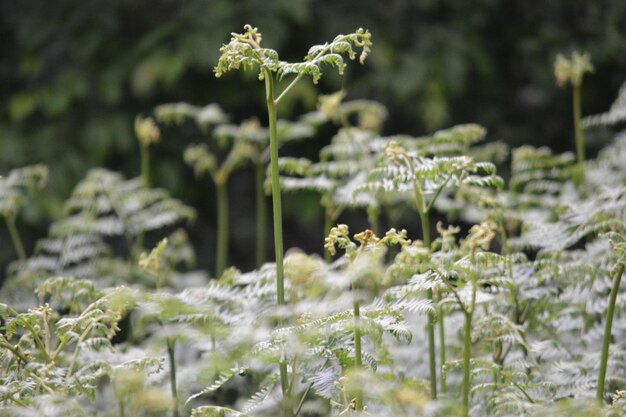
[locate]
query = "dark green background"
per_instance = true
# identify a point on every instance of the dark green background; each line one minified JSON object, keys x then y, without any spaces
{"x":73,"y":75}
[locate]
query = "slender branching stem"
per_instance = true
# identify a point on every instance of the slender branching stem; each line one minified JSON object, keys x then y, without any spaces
{"x":432,"y":364}
{"x":4,"y":343}
{"x":289,"y":87}
{"x":578,"y":133}
{"x":15,"y":237}
{"x":301,"y":403}
{"x":38,"y":342}
{"x":261,"y":213}
{"x":606,"y":341}
{"x":221,"y":257}
{"x":442,"y":348}
{"x":358,"y":364}
{"x":278,"y":225}
{"x":467,"y":350}
{"x":80,"y":341}
{"x":276,"y":198}
{"x":171,"y":354}
{"x":145,"y":165}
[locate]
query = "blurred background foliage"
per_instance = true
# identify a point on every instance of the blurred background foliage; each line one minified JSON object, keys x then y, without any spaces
{"x":74,"y":74}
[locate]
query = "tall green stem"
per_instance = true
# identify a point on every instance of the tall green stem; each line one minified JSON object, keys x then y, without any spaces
{"x":431,"y":317}
{"x":171,"y":345}
{"x":580,"y":140}
{"x":358,"y":364}
{"x":15,"y":237}
{"x":278,"y":224}
{"x":222,"y":228}
{"x":606,"y":341}
{"x":467,"y":351}
{"x":261,"y":213}
{"x":276,"y":198}
{"x":442,"y":349}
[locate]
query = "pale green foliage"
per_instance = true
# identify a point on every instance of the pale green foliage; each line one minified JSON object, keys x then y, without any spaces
{"x":523,"y":295}
{"x":615,"y":115}
{"x":245,"y":51}
{"x":178,"y":113}
{"x":14,"y":187}
{"x":571,"y":70}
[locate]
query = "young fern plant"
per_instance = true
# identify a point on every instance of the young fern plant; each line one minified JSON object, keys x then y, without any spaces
{"x":245,"y":50}
{"x":571,"y":71}
{"x":148,"y":134}
{"x":340,"y":236}
{"x":418,"y":176}
{"x":204,"y":161}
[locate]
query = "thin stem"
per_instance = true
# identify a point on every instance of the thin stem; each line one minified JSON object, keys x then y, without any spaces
{"x":145,"y":165}
{"x":289,"y":87}
{"x":442,"y":348}
{"x":261,"y":213}
{"x":171,"y":346}
{"x":606,"y":341}
{"x":276,"y":198}
{"x":278,"y":225}
{"x":81,"y":339}
{"x":580,"y":140}
{"x":467,"y":351}
{"x":15,"y":237}
{"x":37,"y":340}
{"x":14,"y":349}
{"x":437,"y":193}
{"x":306,"y":392}
{"x":431,"y":317}
{"x":222,"y":228}
{"x":357,"y":350}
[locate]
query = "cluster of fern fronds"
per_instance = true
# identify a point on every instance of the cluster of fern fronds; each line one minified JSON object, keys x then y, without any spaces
{"x":499,"y":308}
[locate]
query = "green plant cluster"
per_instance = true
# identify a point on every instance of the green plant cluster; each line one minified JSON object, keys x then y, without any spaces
{"x":507,"y":303}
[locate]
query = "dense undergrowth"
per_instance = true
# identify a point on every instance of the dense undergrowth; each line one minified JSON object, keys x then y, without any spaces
{"x":510,"y":307}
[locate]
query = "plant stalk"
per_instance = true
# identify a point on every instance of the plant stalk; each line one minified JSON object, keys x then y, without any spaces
{"x":171,"y":346}
{"x":580,"y":139}
{"x":358,"y":363}
{"x":431,"y":318}
{"x":261,"y":213}
{"x":442,"y":349}
{"x":15,"y":237}
{"x":606,"y":341}
{"x":278,"y":226}
{"x":222,"y":228}
{"x":467,"y":351}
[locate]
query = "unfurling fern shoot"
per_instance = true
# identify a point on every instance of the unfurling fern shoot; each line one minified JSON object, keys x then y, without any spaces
{"x":245,"y":50}
{"x":340,"y":236}
{"x":571,"y":71}
{"x":148,"y":133}
{"x":619,"y":244}
{"x":409,"y":172}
